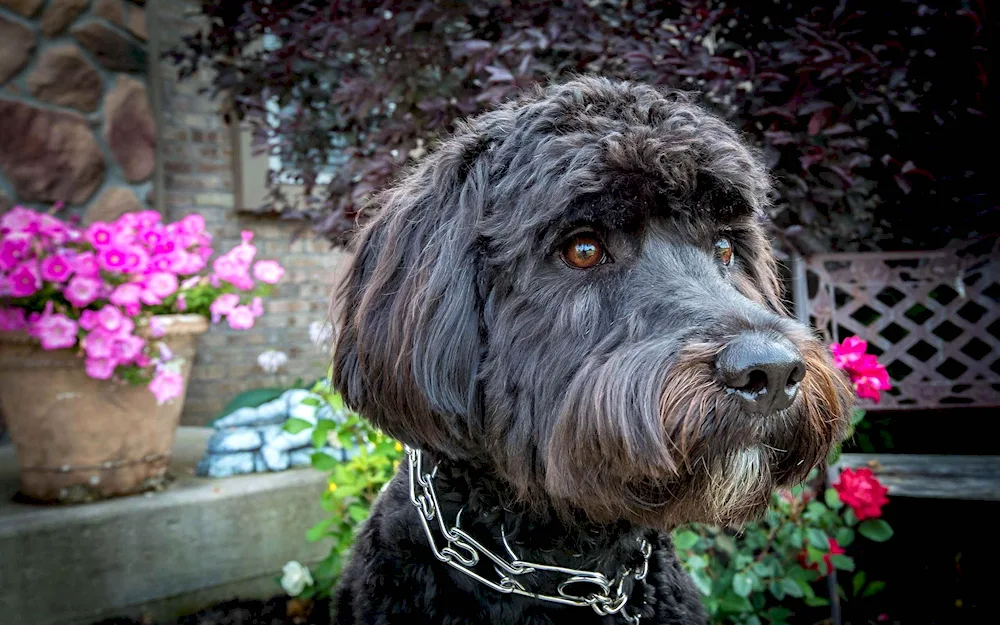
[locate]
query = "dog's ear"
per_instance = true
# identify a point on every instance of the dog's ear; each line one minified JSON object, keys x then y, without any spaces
{"x":408,"y":349}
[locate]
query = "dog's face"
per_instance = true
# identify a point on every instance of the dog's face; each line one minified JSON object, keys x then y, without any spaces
{"x":576,"y":290}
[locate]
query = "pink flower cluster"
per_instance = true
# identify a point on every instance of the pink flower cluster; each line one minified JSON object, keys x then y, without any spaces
{"x":94,"y":287}
{"x":868,"y":376}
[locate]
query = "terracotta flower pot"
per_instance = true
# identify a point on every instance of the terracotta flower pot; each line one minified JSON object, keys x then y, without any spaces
{"x":80,"y":439}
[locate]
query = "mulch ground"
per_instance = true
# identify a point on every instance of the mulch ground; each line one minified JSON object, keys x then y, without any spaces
{"x":274,"y":611}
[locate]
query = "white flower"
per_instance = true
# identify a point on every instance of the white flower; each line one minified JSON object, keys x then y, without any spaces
{"x":320,"y":333}
{"x":295,"y":577}
{"x":272,"y":360}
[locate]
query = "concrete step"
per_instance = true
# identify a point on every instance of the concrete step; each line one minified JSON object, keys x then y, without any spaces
{"x":163,"y":554}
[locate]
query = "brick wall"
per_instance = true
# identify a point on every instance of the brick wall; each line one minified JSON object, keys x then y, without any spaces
{"x":197,"y":155}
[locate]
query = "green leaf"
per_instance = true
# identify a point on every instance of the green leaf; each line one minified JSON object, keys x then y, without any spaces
{"x":318,"y":438}
{"x":323,"y":461}
{"x":876,"y":530}
{"x":832,"y":498}
{"x":753,"y":619}
{"x":697,"y":561}
{"x":777,"y":589}
{"x":857,"y":415}
{"x":873,"y":588}
{"x":725,"y":543}
{"x":818,"y":539}
{"x":777,"y":614}
{"x":742,"y":584}
{"x":764,"y":568}
{"x":702,"y":581}
{"x":857,"y":582}
{"x":816,"y":602}
{"x":733,"y":603}
{"x":318,"y":531}
{"x":357,"y":512}
{"x":834,"y":455}
{"x":251,"y":399}
{"x":842,"y":562}
{"x":791,"y":588}
{"x":336,"y":402}
{"x":845,"y":536}
{"x":850,"y":518}
{"x":310,"y":401}
{"x":685,"y":539}
{"x":294,"y":426}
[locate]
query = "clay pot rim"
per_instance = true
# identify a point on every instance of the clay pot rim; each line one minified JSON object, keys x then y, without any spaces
{"x":173,"y":325}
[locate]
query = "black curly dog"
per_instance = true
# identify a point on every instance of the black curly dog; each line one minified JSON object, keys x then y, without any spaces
{"x":572,"y":310}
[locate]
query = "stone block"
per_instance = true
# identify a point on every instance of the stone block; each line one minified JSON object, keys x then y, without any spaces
{"x":27,"y":8}
{"x":60,"y":14}
{"x":17,"y":43}
{"x":130,"y":129}
{"x":64,"y":77}
{"x":112,"y":49}
{"x":48,"y":156}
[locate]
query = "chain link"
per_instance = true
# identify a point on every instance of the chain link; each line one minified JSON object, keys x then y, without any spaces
{"x":462,"y":552}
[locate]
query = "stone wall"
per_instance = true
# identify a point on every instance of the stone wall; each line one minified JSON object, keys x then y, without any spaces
{"x":75,"y":119}
{"x":197,"y":152}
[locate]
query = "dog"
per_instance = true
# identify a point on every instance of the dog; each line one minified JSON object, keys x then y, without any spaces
{"x":570,"y":314}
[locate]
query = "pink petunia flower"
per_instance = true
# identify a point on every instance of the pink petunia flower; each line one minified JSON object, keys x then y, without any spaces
{"x":89,"y":320}
{"x":100,"y":234}
{"x":56,"y":268}
{"x":257,"y":306}
{"x":127,"y":295}
{"x":12,"y":319}
{"x":192,"y":224}
{"x":24,"y":280}
{"x":85,"y":264}
{"x":14,"y":249}
{"x":100,"y":368}
{"x":82,"y":290}
{"x":230,"y":269}
{"x":52,"y":229}
{"x":19,"y":220}
{"x":166,"y":385}
{"x":223,"y":305}
{"x":162,"y":284}
{"x":136,"y":259}
{"x":114,"y":259}
{"x":268,"y":271}
{"x":99,"y":343}
{"x":126,"y":347}
{"x":241,"y":318}
{"x":110,"y":318}
{"x":54,"y":330}
{"x":181,"y":303}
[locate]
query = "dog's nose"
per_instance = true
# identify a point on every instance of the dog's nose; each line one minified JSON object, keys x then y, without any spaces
{"x":761,"y":370}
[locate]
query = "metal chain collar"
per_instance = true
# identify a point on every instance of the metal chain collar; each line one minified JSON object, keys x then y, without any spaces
{"x":462,"y":552}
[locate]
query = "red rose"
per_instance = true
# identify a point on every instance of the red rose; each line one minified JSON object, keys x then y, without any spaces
{"x":862,"y":492}
{"x":867,"y":375}
{"x":834,"y":550}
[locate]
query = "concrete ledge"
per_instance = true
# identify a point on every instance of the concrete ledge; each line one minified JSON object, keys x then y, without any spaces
{"x":163,"y":554}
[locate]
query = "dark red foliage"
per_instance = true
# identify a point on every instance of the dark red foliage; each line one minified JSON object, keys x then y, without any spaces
{"x":868,"y":113}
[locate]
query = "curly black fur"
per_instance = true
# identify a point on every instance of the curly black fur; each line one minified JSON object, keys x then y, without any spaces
{"x":576,"y":408}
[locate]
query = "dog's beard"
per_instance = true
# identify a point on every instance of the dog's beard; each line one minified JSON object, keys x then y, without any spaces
{"x":707,"y":461}
{"x":740,"y":485}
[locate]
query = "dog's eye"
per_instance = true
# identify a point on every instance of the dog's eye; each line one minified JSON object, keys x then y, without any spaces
{"x":724,"y":251}
{"x":584,"y":251}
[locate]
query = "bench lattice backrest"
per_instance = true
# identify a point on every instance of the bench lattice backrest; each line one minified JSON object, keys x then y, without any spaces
{"x":933,"y":318}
